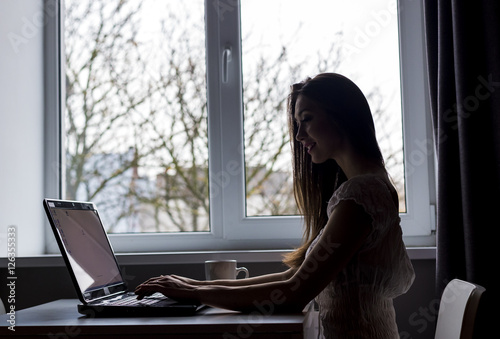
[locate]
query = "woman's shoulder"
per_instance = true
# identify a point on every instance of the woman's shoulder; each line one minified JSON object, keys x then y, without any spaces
{"x":365,"y":183}
{"x":368,"y":190}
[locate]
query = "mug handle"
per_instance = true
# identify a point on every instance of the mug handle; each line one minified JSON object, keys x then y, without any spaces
{"x":242,"y":269}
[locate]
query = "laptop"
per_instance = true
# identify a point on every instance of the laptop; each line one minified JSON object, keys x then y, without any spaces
{"x":94,"y":270}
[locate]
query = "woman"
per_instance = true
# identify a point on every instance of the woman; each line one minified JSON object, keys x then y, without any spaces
{"x":353,"y":260}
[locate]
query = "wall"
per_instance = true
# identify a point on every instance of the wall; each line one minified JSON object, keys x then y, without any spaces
{"x":21,"y":124}
{"x":35,"y":285}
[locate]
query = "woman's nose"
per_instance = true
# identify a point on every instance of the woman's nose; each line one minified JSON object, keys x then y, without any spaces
{"x":300,"y":133}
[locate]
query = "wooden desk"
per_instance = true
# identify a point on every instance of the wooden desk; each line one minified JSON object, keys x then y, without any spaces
{"x":60,"y":319}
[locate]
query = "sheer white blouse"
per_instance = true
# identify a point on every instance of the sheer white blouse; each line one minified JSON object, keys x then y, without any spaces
{"x":358,"y":303}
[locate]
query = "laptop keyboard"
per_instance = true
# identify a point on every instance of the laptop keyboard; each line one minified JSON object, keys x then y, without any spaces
{"x":131,"y":300}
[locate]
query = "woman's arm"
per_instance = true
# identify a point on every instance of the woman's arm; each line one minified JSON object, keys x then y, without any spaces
{"x":281,"y":276}
{"x":165,"y":280}
{"x":344,"y":234}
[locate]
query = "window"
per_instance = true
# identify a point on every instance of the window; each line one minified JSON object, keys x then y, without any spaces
{"x":284,"y":41}
{"x":136,"y":115}
{"x":172,"y":113}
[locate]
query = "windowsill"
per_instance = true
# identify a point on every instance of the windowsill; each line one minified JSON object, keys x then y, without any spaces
{"x":54,"y":260}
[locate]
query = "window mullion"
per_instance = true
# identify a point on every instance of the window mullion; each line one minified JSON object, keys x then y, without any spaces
{"x":226,"y":118}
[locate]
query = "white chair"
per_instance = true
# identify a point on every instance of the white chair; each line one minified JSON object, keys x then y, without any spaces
{"x":457,"y":310}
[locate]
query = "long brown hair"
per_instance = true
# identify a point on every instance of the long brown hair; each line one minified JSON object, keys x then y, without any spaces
{"x":314,"y":184}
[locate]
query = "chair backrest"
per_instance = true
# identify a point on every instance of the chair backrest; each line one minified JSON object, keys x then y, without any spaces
{"x":458,"y":309}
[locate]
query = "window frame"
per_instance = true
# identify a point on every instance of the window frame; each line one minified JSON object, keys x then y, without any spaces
{"x":230,"y":229}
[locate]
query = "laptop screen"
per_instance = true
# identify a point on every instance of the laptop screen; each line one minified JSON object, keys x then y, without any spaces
{"x":86,"y":245}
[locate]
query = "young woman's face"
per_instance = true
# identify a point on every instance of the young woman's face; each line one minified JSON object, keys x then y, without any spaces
{"x":316,"y":130}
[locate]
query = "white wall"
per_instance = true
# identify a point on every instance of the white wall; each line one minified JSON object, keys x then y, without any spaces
{"x":21,"y":124}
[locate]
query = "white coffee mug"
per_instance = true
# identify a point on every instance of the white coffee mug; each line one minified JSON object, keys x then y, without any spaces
{"x":223,"y":269}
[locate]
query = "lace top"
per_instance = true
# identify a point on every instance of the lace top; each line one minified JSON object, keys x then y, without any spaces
{"x":358,"y":302}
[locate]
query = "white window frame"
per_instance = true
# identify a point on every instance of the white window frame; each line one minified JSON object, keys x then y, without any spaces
{"x":419,"y":221}
{"x":230,"y":228}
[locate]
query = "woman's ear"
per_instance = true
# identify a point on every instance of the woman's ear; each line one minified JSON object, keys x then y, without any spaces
{"x":339,"y":131}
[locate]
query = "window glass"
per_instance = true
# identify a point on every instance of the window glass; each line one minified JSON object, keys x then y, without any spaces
{"x":136,"y":113}
{"x":283,"y":41}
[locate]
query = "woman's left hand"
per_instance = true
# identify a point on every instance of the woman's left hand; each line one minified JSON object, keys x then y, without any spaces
{"x":169,"y":286}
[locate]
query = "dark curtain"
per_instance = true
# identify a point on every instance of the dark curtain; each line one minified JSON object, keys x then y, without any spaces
{"x":463,"y":51}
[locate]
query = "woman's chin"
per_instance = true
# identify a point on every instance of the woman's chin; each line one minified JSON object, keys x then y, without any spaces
{"x":318,"y":161}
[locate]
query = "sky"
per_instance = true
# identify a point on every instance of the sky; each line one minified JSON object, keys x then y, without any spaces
{"x":369,"y":38}
{"x":369,"y":41}
{"x":369,"y":28}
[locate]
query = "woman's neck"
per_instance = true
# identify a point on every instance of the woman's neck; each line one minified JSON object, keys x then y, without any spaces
{"x":354,"y":165}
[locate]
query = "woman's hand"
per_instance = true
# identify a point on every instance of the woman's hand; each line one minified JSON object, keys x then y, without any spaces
{"x":243,"y":295}
{"x":170,"y":286}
